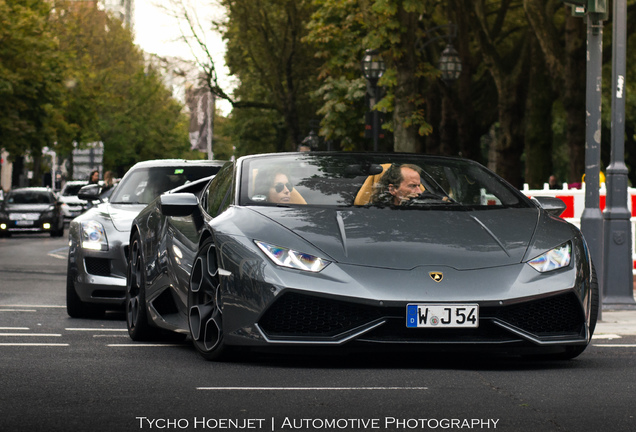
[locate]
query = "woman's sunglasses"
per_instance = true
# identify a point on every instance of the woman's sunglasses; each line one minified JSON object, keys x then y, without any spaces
{"x":278,"y":187}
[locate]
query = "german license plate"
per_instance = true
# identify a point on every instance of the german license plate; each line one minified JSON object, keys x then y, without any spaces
{"x":442,"y":315}
{"x":24,"y":223}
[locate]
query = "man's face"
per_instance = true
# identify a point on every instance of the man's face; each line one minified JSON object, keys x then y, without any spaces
{"x":409,"y":188}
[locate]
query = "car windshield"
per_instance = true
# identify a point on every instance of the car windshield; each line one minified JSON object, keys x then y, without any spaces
{"x":348,"y":179}
{"x":143,"y":185}
{"x":30,"y":197}
{"x":73,"y":189}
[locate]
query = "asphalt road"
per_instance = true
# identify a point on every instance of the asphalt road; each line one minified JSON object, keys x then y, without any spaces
{"x":63,"y":374}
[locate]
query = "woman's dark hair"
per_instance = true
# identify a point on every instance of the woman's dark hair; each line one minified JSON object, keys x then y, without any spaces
{"x":265,"y":179}
{"x":90,"y":176}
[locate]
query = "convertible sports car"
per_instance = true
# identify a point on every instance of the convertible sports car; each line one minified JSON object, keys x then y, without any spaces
{"x":355,"y":250}
{"x":98,"y":238}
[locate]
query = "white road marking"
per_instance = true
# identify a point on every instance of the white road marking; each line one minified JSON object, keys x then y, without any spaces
{"x":96,"y":329}
{"x":33,"y":344}
{"x":310,"y":388}
{"x":31,"y":334}
{"x":606,"y":336}
{"x":18,"y":310}
{"x":142,"y":345}
{"x":615,"y":345}
{"x":14,"y":328}
{"x":55,"y":254}
{"x":110,"y":336}
{"x":31,"y":306}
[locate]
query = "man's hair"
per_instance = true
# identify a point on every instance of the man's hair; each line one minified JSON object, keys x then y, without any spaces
{"x":392,"y":176}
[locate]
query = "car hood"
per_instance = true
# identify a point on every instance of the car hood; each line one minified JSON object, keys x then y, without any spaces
{"x":72,"y":199}
{"x":121,"y":215}
{"x":405,"y":239}
{"x":27,"y":207}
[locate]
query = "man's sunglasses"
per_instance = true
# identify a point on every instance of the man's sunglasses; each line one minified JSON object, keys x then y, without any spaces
{"x":278,"y":187}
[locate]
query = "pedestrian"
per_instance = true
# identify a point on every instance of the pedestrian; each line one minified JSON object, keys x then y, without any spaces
{"x":93,"y":177}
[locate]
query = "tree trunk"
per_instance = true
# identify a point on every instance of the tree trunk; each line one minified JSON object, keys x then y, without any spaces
{"x":538,"y":131}
{"x":574,"y":94}
{"x":406,"y":138}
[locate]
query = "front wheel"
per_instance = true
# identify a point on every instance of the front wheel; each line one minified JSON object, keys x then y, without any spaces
{"x":75,"y":307}
{"x":136,"y":310}
{"x":204,"y":313}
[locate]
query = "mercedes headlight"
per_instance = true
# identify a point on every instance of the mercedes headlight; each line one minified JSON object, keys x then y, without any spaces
{"x":556,"y":258}
{"x":285,"y":257}
{"x":93,"y":236}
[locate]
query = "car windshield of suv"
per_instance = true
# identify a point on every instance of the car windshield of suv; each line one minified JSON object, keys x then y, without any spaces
{"x":143,"y":185}
{"x":347,"y":179}
{"x":29,"y":197}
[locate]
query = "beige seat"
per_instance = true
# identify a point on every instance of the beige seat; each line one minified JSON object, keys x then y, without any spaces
{"x":364,"y":194}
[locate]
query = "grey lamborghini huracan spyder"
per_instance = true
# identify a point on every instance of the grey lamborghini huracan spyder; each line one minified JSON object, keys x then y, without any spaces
{"x":360,"y":251}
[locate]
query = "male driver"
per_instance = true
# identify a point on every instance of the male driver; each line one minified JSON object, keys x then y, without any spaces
{"x":398,"y":185}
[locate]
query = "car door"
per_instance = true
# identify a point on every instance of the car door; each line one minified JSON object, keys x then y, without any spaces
{"x":183,"y":233}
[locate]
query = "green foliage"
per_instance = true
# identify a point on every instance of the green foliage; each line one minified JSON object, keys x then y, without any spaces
{"x":116,"y":98}
{"x":276,"y":71}
{"x":344,"y":30}
{"x":31,"y":72}
{"x":73,"y":76}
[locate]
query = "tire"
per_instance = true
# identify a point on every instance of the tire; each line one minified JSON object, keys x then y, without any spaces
{"x":58,"y":232}
{"x":137,"y":321}
{"x":75,"y":307}
{"x":205,"y":319}
{"x":595,"y":304}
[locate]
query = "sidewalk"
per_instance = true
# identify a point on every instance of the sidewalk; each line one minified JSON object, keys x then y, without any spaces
{"x":616,"y":322}
{"x":619,"y":321}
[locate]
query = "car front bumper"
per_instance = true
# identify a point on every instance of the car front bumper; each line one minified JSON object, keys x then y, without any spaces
{"x":519,"y":308}
{"x":99,"y":277}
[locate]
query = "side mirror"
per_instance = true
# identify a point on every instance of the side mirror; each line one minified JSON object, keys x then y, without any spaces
{"x":90,"y":192}
{"x":551,"y":205}
{"x":178,"y":204}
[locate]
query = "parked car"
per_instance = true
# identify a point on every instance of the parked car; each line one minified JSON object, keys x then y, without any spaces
{"x":327,"y":249}
{"x":72,"y":205}
{"x":98,"y":239}
{"x":31,"y":209}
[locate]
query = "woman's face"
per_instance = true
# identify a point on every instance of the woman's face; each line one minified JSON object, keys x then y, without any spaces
{"x":280,"y":191}
{"x":95,"y":176}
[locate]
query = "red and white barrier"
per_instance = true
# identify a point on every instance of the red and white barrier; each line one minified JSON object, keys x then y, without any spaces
{"x":574,"y":200}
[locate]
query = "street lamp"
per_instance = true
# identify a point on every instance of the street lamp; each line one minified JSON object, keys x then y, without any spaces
{"x":450,"y":64}
{"x":373,"y":68}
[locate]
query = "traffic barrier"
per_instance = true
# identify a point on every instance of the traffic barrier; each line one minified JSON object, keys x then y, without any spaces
{"x":574,"y":200}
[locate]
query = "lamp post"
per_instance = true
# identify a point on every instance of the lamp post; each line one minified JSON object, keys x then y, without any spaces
{"x":618,"y":280}
{"x":373,"y":68}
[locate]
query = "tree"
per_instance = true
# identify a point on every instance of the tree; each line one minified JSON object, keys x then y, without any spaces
{"x":31,"y":80}
{"x":115,"y":97}
{"x":562,"y":41}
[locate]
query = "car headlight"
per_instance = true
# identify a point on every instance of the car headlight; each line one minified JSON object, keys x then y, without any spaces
{"x":285,"y":257}
{"x":49,"y":213}
{"x":93,"y":236}
{"x":556,"y":258}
